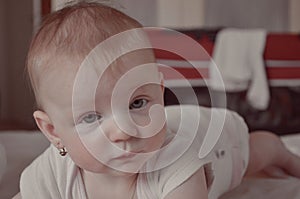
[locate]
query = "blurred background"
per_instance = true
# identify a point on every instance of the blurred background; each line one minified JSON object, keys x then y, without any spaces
{"x":19,"y":19}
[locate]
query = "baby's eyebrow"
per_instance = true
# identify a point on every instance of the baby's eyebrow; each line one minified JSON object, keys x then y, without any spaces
{"x":85,"y":104}
{"x":143,"y":88}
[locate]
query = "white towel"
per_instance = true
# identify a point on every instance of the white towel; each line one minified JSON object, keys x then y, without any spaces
{"x":238,"y":57}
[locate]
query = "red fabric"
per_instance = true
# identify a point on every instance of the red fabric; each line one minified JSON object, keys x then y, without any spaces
{"x":282,"y":47}
{"x":279,"y":47}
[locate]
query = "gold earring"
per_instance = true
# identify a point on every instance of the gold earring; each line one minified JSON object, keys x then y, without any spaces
{"x":63,"y":151}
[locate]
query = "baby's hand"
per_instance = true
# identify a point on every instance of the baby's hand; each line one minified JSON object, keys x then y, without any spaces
{"x":275,"y":172}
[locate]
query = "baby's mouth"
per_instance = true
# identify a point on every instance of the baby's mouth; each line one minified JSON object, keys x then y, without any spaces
{"x":128,"y":154}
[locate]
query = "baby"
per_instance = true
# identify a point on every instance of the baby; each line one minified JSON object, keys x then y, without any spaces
{"x":100,"y":103}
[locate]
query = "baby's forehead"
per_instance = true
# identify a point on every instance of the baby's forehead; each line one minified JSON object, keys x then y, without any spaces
{"x":114,"y":66}
{"x":131,"y":68}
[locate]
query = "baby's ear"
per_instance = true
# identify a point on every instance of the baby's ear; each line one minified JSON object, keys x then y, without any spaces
{"x":45,"y":125}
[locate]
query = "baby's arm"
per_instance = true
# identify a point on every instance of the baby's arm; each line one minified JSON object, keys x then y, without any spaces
{"x":193,"y":188}
{"x":267,"y":151}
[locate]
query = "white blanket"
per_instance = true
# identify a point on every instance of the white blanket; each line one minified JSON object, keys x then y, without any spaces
{"x":263,"y":188}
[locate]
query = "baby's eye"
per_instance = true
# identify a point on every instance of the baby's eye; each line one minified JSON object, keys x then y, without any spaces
{"x":138,"y":103}
{"x":91,"y":118}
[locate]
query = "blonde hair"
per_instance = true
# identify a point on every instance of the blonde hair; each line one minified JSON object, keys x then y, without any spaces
{"x":69,"y":33}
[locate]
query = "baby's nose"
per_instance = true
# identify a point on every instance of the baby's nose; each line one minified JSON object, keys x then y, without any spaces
{"x":116,"y":133}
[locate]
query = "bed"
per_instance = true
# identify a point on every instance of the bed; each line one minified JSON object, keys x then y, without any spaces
{"x":23,"y":146}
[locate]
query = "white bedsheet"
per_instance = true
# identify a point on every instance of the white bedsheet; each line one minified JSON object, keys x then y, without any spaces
{"x":22,"y":147}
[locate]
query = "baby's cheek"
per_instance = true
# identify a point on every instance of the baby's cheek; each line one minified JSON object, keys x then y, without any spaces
{"x":157,"y":140}
{"x":141,"y":120}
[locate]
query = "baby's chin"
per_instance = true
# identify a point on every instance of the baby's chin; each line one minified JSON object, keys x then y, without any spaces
{"x":127,"y":169}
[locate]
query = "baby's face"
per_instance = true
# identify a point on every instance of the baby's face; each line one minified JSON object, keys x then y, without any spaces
{"x":102,"y":115}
